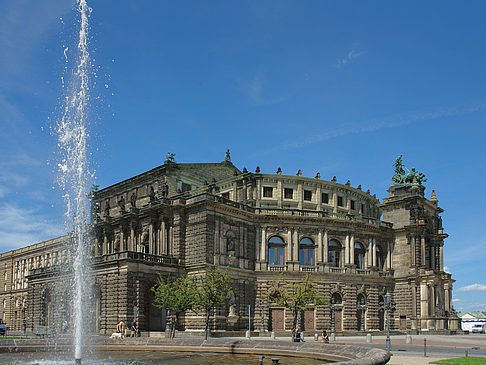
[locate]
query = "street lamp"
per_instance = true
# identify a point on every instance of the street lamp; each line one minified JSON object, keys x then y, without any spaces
{"x":332,"y":305}
{"x":388,"y":305}
{"x":361,"y":304}
{"x":261,"y":303}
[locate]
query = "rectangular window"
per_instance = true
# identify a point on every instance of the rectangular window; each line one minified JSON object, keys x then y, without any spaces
{"x":353,"y":205}
{"x":288,"y":193}
{"x":267,"y":191}
{"x":186,"y":187}
{"x":325,"y":198}
{"x":225,"y":195}
{"x":307,"y":195}
{"x":275,"y":256}
{"x":362,"y":209}
{"x":340,"y":201}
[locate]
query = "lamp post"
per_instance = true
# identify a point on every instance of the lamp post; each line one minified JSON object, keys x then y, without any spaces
{"x":332,"y":305}
{"x":388,"y":305}
{"x":261,"y":303}
{"x":362,"y":308}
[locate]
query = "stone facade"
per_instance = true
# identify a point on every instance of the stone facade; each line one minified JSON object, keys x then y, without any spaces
{"x":183,"y":219}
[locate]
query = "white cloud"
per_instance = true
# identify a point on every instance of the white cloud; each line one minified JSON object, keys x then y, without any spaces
{"x":351,"y":55}
{"x":472,"y":287}
{"x":456,"y":300}
{"x":447,"y":270}
{"x":254,"y":90}
{"x":23,"y":226}
{"x":391,"y":122}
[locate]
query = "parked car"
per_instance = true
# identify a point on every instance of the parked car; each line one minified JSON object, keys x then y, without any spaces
{"x":478,"y":328}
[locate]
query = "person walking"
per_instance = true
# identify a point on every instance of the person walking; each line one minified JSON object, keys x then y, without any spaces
{"x":133,"y":329}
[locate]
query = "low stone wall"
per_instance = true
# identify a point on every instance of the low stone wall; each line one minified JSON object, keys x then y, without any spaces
{"x":337,"y":353}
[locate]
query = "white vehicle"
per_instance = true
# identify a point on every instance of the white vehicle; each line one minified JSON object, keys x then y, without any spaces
{"x":473,"y":326}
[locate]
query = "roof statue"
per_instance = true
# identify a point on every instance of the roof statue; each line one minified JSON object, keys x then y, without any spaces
{"x":169,"y":157}
{"x":227,"y":156}
{"x":403,"y":176}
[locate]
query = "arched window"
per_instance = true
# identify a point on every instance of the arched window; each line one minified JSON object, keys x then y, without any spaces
{"x":336,"y":298}
{"x":306,"y":252}
{"x":334,"y":249}
{"x":359,"y":252}
{"x":361,"y":300}
{"x":276,"y":247}
{"x":380,"y":257}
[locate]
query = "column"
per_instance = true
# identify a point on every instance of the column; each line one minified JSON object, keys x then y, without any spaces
{"x":257,"y":246}
{"x":422,"y":250}
{"x":319,"y":247}
{"x":300,"y":196}
{"x":326,"y":247}
{"x":334,"y":200}
{"x":447,"y":299}
{"x":279,"y":194}
{"x":423,"y":300}
{"x":105,"y":244}
{"x":432,"y":256}
{"x":412,"y":250}
{"x":351,"y":251}
{"x":163,"y":236}
{"x":263,"y":252}
{"x":346,"y":250}
{"x":151,"y":238}
{"x":441,"y":256}
{"x":122,"y":239}
{"x":388,"y":256}
{"x":295,"y":242}
{"x":131,"y":243}
{"x":374,"y":252}
{"x":288,"y":254}
{"x":170,"y":241}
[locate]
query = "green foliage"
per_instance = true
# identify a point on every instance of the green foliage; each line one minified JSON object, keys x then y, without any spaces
{"x":214,"y":290}
{"x":177,"y":296}
{"x":294,"y":295}
{"x":463,"y":361}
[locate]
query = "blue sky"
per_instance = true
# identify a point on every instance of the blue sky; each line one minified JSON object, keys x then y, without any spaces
{"x":342,"y":88}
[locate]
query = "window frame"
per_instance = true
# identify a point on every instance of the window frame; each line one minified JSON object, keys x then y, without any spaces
{"x":266,"y":191}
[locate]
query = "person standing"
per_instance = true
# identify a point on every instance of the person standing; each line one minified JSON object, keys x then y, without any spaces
{"x":120,"y":328}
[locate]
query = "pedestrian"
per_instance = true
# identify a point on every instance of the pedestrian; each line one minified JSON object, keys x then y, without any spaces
{"x":133,"y":329}
{"x":120,"y":328}
{"x":325,"y":337}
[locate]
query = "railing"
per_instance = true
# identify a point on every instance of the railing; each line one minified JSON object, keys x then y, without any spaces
{"x":308,"y":268}
{"x":139,"y":256}
{"x":277,"y":268}
{"x":337,"y":270}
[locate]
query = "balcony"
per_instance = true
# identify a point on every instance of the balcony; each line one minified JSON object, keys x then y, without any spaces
{"x":136,"y":256}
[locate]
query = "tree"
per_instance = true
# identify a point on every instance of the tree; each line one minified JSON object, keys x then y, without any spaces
{"x":294,"y":295}
{"x":214,"y":290}
{"x":177,"y":296}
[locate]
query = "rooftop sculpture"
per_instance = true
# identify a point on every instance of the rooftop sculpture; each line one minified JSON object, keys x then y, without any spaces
{"x":403,"y":176}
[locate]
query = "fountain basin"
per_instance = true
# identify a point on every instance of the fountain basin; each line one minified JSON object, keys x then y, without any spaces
{"x":336,"y":353}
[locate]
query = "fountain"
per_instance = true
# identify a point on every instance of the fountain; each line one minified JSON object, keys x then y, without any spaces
{"x":74,"y":175}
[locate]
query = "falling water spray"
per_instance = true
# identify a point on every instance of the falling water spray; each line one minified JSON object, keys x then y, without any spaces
{"x":74,"y":176}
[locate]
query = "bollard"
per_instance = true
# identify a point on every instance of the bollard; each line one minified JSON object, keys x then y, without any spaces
{"x":425,"y":347}
{"x":316,"y":337}
{"x":332,"y":337}
{"x":275,"y":360}
{"x":261,"y":360}
{"x":408,"y":339}
{"x":369,"y":338}
{"x":272,"y":335}
{"x":465,"y":353}
{"x":247,"y":334}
